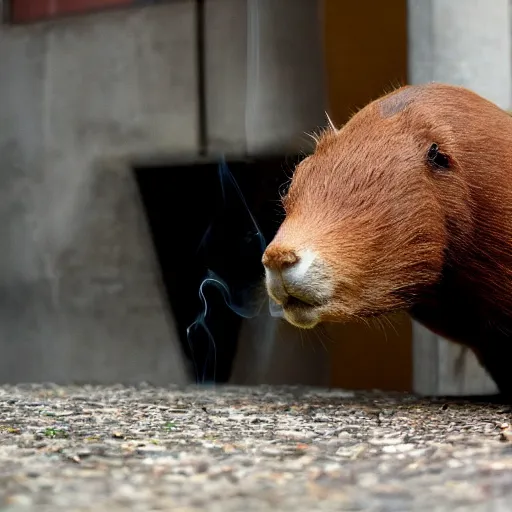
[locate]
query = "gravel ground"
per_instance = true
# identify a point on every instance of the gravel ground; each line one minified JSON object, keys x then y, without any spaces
{"x":244,"y":449}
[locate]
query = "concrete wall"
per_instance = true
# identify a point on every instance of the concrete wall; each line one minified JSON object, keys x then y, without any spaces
{"x":82,"y":98}
{"x":462,"y":42}
{"x":78,"y":281}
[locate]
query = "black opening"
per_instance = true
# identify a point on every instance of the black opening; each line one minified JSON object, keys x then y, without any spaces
{"x":199,"y":224}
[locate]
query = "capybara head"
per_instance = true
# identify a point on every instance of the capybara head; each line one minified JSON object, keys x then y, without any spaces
{"x":377,"y":213}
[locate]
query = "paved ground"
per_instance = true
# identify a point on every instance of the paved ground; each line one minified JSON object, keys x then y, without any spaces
{"x":127,"y":449}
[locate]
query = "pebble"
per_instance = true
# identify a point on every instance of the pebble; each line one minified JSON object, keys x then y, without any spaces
{"x":506,"y":435}
{"x":386,"y":441}
{"x":398,"y":448}
{"x":293,"y":434}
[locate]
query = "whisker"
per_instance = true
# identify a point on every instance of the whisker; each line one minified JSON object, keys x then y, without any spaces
{"x":383,"y":328}
{"x":331,"y":124}
{"x":312,"y":344}
{"x":320,"y":339}
{"x":301,"y":338}
{"x":390,"y":323}
{"x":323,"y":330}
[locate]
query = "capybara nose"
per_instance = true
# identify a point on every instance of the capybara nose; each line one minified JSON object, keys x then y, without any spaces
{"x":278,"y":261}
{"x":296,"y":278}
{"x":277,"y":258}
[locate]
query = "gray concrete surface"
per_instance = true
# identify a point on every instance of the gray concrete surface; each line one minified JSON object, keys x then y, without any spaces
{"x":144,"y":449}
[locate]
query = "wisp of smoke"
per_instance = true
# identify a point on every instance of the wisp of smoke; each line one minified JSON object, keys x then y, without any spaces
{"x":243,"y":298}
{"x":246,"y":300}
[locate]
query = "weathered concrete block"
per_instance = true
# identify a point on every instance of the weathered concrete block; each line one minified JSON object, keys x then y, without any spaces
{"x":463,"y":42}
{"x":79,"y":98}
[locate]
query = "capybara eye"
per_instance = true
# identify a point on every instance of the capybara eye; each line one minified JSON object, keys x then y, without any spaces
{"x":437,"y":159}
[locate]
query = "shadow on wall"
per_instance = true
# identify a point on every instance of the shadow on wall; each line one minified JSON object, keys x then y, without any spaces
{"x":206,"y":228}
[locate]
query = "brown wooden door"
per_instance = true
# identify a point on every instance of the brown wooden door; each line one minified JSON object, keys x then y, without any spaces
{"x":366,"y":54}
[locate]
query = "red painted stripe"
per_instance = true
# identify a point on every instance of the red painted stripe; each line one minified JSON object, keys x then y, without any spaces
{"x":23,"y":11}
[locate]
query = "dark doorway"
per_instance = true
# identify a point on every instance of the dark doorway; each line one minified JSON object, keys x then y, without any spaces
{"x":200,"y":224}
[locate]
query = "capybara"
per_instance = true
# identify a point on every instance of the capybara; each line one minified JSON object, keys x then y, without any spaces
{"x":408,"y":206}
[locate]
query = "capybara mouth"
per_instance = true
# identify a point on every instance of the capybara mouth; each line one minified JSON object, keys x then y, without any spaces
{"x":294,"y":302}
{"x":301,"y":314}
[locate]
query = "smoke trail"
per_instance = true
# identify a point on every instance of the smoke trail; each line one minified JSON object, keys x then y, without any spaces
{"x":243,"y":298}
{"x":246,"y":300}
{"x":252,"y":84}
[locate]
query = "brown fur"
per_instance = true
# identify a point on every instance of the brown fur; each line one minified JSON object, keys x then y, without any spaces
{"x":400,"y":234}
